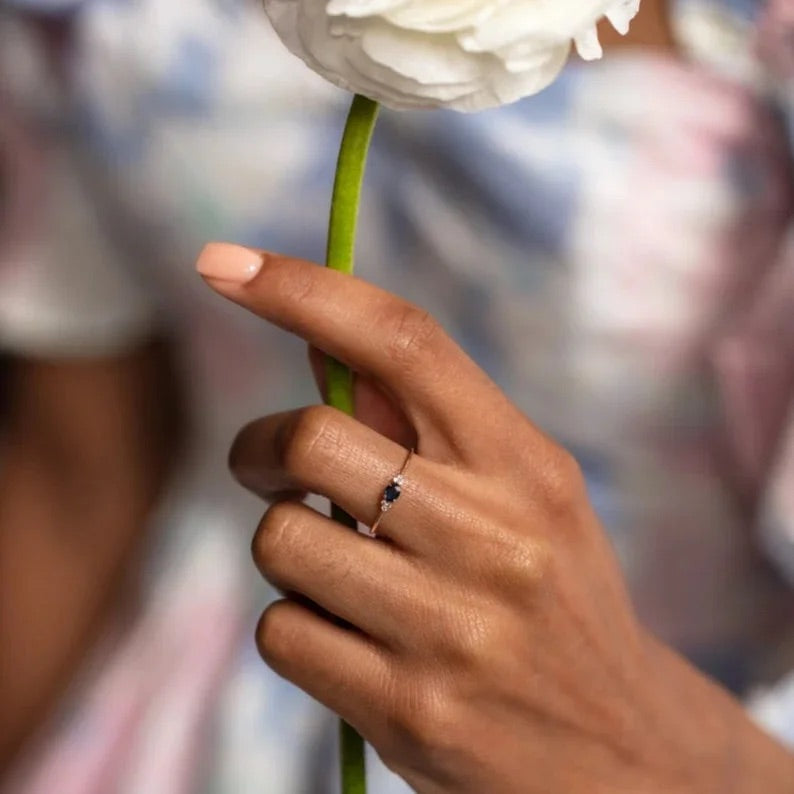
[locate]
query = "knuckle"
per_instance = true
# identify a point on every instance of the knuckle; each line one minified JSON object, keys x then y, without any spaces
{"x":475,"y":638}
{"x":312,"y":434}
{"x":562,"y":481}
{"x":276,"y":635}
{"x":270,"y":540}
{"x":414,"y":335}
{"x":426,"y":718}
{"x":524,"y":567}
{"x":516,"y":557}
{"x":522,"y":579}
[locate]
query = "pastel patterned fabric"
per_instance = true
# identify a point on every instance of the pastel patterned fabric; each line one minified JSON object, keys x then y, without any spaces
{"x":617,"y":252}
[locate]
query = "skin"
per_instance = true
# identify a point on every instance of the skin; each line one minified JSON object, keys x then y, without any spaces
{"x":105,"y":428}
{"x":63,"y":556}
{"x":650,"y":30}
{"x":484,"y":641}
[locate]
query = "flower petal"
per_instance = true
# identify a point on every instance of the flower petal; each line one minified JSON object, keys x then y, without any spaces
{"x":462,"y":54}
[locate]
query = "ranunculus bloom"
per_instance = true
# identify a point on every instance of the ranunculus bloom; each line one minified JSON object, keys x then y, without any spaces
{"x":462,"y":54}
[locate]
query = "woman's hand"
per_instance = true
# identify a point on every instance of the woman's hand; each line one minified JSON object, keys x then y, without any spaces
{"x":485,"y":642}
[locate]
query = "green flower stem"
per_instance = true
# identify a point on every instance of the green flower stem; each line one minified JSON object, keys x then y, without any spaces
{"x":344,"y":216}
{"x":339,"y":379}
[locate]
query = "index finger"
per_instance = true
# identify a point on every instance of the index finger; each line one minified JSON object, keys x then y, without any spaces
{"x":370,"y":330}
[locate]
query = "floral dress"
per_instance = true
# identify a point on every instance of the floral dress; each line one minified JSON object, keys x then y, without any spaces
{"x":616,"y":252}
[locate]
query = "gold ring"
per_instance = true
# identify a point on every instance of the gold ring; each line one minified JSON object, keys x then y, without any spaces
{"x":391,"y":493}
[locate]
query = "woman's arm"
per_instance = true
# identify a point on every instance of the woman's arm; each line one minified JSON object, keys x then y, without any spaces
{"x":84,"y":452}
{"x":484,"y":641}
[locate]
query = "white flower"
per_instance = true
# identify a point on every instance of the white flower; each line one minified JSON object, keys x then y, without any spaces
{"x":461,"y":54}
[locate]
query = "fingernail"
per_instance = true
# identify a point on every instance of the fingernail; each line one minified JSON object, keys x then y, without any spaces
{"x":228,"y":262}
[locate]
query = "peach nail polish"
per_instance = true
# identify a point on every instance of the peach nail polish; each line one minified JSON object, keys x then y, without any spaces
{"x":228,"y":262}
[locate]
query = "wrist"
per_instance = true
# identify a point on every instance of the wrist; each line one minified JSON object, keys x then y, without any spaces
{"x":704,"y":742}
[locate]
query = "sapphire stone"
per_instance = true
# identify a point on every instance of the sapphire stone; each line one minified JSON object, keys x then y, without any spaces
{"x":392,"y":493}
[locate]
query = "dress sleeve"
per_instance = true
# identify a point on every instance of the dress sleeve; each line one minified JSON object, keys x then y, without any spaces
{"x":63,"y":288}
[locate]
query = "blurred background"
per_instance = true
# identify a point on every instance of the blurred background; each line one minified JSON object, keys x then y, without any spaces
{"x":616,"y":252}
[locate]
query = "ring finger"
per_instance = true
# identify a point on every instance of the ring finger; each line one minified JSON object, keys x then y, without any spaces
{"x":324,"y":451}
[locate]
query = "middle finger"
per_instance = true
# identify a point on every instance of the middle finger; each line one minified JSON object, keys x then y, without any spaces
{"x":372,"y":586}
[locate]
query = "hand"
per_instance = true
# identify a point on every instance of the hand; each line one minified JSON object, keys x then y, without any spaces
{"x":484,"y":643}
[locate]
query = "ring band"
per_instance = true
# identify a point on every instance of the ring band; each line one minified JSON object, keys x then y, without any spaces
{"x":391,"y":493}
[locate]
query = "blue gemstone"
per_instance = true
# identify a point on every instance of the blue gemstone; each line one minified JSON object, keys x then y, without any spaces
{"x":392,"y":493}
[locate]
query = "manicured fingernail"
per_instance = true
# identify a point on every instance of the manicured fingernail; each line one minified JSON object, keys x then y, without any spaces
{"x":228,"y":262}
